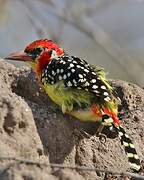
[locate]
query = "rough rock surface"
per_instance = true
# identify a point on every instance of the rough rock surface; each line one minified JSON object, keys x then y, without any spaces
{"x":32,"y":127}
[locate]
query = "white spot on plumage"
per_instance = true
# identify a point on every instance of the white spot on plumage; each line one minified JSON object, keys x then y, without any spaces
{"x":48,"y":75}
{"x":72,"y":70}
{"x":53,"y":73}
{"x":64,"y":76}
{"x":120,"y":133}
{"x":94,"y":86}
{"x":68,"y":74}
{"x":103,"y":87}
{"x":93,"y":73}
{"x":61,"y":61}
{"x":86,"y":70}
{"x":107,"y":99}
{"x":74,"y":81}
{"x":93,"y":81}
{"x":105,"y":93}
{"x":75,"y":62}
{"x":78,"y":87}
{"x":82,"y":67}
{"x":60,"y":77}
{"x":58,"y":70}
{"x":69,"y":84}
{"x":78,"y":66}
{"x":83,"y":61}
{"x":82,"y":80}
{"x":61,"y":70}
{"x":80,"y":76}
{"x":125,"y":144}
{"x":87,"y":83}
{"x":71,"y":65}
{"x":96,"y":91}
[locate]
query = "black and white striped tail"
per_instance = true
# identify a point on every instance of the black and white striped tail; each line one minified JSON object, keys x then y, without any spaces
{"x":129,"y":149}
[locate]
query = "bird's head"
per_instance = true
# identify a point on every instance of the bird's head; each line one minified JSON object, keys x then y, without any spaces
{"x":38,"y":54}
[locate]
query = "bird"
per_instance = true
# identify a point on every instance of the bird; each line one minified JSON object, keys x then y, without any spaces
{"x":78,"y":88}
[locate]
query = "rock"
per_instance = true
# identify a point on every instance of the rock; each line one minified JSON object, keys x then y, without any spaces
{"x":32,"y":127}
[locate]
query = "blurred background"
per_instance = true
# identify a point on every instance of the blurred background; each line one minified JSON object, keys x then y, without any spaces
{"x":109,"y":33}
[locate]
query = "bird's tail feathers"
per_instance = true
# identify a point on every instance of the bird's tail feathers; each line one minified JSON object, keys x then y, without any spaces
{"x":125,"y":141}
{"x":129,"y":149}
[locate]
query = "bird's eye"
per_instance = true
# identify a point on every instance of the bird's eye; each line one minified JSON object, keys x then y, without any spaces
{"x":36,"y":52}
{"x":50,"y":52}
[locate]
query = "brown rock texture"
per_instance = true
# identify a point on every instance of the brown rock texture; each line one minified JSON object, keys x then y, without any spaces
{"x":33,"y":128}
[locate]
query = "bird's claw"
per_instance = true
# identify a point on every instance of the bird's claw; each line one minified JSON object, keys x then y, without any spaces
{"x":102,"y":138}
{"x":82,"y":133}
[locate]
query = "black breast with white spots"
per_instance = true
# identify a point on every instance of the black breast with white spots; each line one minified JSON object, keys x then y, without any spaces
{"x":75,"y":73}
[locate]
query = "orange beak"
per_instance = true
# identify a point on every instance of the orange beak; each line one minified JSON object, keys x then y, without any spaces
{"x":19,"y":56}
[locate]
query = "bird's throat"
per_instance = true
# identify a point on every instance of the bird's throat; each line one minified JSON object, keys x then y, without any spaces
{"x":41,"y":64}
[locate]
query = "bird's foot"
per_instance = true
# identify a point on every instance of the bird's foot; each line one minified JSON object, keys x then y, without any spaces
{"x":102,"y":138}
{"x":82,"y":133}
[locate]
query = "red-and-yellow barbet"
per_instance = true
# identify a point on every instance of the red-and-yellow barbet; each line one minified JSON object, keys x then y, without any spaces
{"x":80,"y":89}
